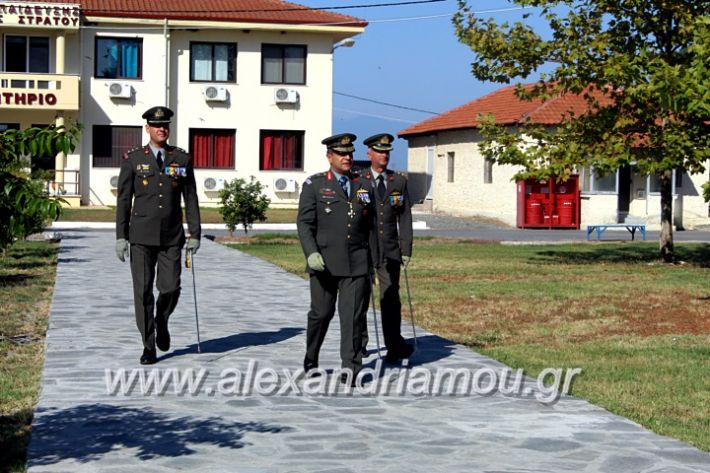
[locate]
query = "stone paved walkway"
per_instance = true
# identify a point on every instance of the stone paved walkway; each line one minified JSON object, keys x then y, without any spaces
{"x":252,"y":318}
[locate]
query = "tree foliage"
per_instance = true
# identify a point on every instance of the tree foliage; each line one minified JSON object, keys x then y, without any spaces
{"x":640,"y":65}
{"x":25,"y":204}
{"x":242,"y":203}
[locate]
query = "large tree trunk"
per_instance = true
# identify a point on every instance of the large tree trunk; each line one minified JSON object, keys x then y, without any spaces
{"x":666,"y":241}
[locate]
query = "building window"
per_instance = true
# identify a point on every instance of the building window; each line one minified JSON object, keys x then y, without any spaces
{"x":212,"y":148}
{"x":9,"y":126}
{"x":110,"y":143}
{"x":281,"y":150}
{"x":593,"y":182}
{"x":118,"y":58}
{"x":26,"y":54}
{"x":654,"y":181}
{"x":450,"y":166}
{"x":213,"y":62}
{"x":283,"y":64}
{"x":487,"y":171}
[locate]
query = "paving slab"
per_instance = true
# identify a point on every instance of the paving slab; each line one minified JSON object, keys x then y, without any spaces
{"x":240,"y":405}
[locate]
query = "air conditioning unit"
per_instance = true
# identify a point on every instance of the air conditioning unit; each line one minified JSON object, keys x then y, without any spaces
{"x":215,"y":94}
{"x":284,"y":185}
{"x":286,"y":96}
{"x":119,"y":90}
{"x":214,"y":183}
{"x":114,"y":181}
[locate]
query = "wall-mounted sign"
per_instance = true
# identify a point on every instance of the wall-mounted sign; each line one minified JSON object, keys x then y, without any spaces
{"x":40,"y":15}
{"x":30,"y":99}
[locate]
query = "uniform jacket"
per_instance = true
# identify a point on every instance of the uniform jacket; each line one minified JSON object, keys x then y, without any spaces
{"x":148,"y":210}
{"x":394,"y":216}
{"x":335,"y":226}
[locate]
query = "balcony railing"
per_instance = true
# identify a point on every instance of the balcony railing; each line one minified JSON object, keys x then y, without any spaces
{"x":25,"y":91}
{"x":64,"y":183}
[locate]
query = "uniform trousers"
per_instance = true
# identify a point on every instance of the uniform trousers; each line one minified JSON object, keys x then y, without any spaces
{"x":352,"y":294}
{"x":144,"y":260}
{"x":388,"y":275}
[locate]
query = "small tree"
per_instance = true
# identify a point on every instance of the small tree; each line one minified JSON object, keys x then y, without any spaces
{"x":242,"y":203}
{"x":25,"y":204}
{"x":641,"y":67}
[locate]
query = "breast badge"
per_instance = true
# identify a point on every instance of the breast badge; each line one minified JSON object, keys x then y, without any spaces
{"x":396,"y":199}
{"x":363,"y":196}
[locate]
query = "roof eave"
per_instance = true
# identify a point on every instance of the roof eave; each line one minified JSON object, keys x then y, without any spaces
{"x":348,"y":29}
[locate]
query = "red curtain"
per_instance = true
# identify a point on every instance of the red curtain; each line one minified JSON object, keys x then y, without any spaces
{"x":201,"y":148}
{"x":289,"y":152}
{"x":224,"y":150}
{"x":270,"y":145}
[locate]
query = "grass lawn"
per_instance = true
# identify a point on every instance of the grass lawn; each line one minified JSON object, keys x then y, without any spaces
{"x":639,"y":329}
{"x":207,"y":215}
{"x":27,"y":275}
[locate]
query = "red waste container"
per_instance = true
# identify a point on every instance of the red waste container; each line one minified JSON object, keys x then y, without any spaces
{"x":533,"y":213}
{"x":566,"y":212}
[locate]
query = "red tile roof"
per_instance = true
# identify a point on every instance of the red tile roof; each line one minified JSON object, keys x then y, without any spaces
{"x":505,"y":107}
{"x":257,"y":11}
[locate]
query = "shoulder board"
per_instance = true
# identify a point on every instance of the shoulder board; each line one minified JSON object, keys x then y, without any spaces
{"x":309,"y":180}
{"x":403,"y":174}
{"x":179,"y":150}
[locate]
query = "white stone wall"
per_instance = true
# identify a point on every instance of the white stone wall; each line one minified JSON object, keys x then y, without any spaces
{"x":469,"y":196}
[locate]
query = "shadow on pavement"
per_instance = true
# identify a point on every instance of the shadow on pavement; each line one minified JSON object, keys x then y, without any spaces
{"x":430,"y":349}
{"x":238,"y":340}
{"x":88,"y":431}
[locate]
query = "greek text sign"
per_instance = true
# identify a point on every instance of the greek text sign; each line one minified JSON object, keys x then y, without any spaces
{"x":40,"y":15}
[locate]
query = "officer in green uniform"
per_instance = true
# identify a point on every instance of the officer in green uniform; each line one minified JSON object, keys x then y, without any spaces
{"x":335,"y":219}
{"x":394,"y":236}
{"x":152,"y":181}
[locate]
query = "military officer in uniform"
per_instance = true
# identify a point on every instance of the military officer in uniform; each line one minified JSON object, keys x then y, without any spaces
{"x":152,"y":181}
{"x":335,"y":219}
{"x":394,"y":236}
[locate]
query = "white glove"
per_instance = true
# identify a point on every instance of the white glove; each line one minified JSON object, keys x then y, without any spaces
{"x":315,"y":262}
{"x":122,"y":249}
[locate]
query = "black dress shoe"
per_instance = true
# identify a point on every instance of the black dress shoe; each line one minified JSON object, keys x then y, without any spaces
{"x":149,"y":357}
{"x":364,"y":351}
{"x":162,"y":335}
{"x":309,"y":365}
{"x":403,"y":351}
{"x":344,"y":380}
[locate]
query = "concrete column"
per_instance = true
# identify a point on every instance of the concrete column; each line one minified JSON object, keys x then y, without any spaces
{"x":60,"y":52}
{"x":60,"y":161}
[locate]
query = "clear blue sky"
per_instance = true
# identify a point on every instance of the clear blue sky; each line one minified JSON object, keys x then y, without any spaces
{"x":409,"y":56}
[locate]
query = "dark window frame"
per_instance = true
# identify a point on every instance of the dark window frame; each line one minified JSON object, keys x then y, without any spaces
{"x":106,"y":154}
{"x":119,"y":66}
{"x":27,"y":57}
{"x":283,"y":58}
{"x":232,"y":62}
{"x":298,"y":159}
{"x":214,"y":132}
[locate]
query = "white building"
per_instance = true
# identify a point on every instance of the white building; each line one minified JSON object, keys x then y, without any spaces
{"x":250,"y":83}
{"x":448,"y":172}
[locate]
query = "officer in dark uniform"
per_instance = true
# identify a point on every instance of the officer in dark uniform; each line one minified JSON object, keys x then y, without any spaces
{"x":151,"y":183}
{"x":394,"y":235}
{"x":335,"y":219}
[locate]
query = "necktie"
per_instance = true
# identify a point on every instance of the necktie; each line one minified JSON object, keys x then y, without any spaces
{"x":381,"y":186}
{"x":344,"y":184}
{"x":159,"y":159}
